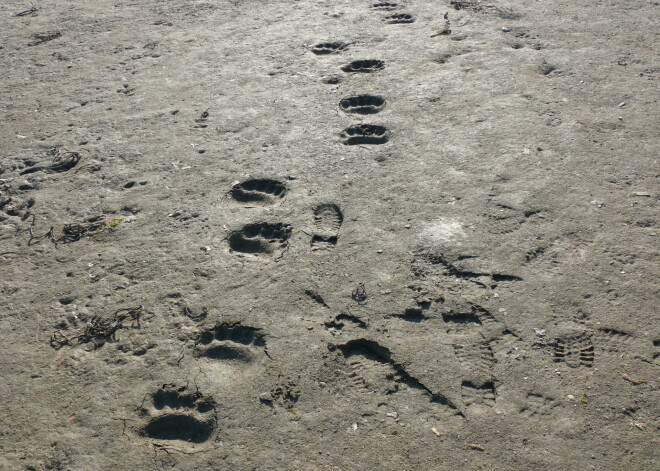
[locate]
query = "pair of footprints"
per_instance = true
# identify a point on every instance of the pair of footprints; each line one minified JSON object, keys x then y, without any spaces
{"x":174,"y":413}
{"x":273,"y":238}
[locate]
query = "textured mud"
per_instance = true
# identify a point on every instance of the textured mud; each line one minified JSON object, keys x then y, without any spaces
{"x":412,"y":235}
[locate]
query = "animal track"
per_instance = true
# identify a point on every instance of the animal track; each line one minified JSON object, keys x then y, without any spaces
{"x":260,"y":238}
{"x":374,"y":370}
{"x":177,"y":414}
{"x":483,"y":395}
{"x":384,"y":6}
{"x":538,"y":404}
{"x":365,"y":134}
{"x":574,"y":351}
{"x":284,"y":394}
{"x":327,"y":221}
{"x":260,"y":191}
{"x":329,"y":48}
{"x":477,"y":360}
{"x":400,"y":18}
{"x":362,"y":104}
{"x":364,"y":66}
{"x":231,"y":342}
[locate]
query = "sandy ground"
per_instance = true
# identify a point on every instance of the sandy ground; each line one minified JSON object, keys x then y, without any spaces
{"x":329,"y":235}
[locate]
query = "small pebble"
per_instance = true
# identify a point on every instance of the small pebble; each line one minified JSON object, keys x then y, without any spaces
{"x":379,"y":251}
{"x":505,"y":29}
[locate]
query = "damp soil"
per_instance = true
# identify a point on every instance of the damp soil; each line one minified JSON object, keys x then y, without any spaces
{"x":413,"y":235}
